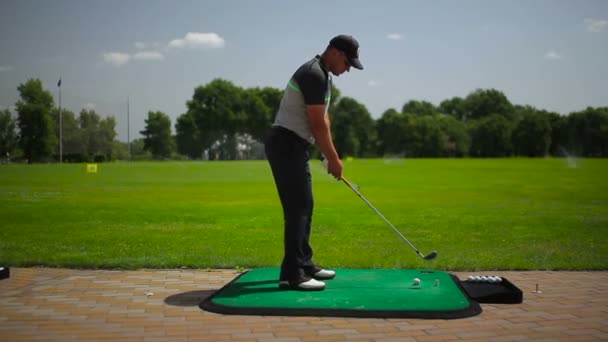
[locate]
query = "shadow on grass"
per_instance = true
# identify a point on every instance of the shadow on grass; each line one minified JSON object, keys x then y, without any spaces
{"x":191,"y":298}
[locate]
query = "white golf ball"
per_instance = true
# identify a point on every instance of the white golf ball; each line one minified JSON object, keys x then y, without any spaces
{"x":484,"y":278}
{"x":498,"y":279}
{"x":471,"y":278}
{"x":477,"y":278}
{"x":416,"y":281}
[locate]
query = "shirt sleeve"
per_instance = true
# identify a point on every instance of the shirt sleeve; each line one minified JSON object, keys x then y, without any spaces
{"x":313,"y":85}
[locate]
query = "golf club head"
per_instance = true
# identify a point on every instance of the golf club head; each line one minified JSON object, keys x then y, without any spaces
{"x":430,"y":256}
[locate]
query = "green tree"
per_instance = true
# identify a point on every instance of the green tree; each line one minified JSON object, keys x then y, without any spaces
{"x":271,"y":97}
{"x":559,"y":133}
{"x":588,"y":132}
{"x":424,"y":136}
{"x":96,"y":136}
{"x":107,"y":132}
{"x":37,"y":132}
{"x":482,"y":103}
{"x":89,"y":133}
{"x":419,"y":108}
{"x":187,"y":136}
{"x":532,"y":134}
{"x":457,"y":141}
{"x":490,"y":136}
{"x":218,"y":111}
{"x":138,"y":152}
{"x":72,"y":139}
{"x":258,"y":116}
{"x":261,"y":117}
{"x":453,"y":107}
{"x":353,"y":129}
{"x":157,"y":135}
{"x":222,"y":117}
{"x":390,"y":130}
{"x":120,"y":150}
{"x":8,"y":135}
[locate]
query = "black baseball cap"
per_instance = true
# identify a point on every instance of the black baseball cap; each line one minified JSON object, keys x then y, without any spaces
{"x":350,"y":47}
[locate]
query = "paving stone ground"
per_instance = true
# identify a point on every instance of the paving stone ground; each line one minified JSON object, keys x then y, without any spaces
{"x":41,"y":304}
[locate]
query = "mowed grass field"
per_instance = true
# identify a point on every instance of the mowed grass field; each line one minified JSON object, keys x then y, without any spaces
{"x":478,"y":214}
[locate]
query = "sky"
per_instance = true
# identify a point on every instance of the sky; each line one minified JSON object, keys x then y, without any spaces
{"x":549,"y":54}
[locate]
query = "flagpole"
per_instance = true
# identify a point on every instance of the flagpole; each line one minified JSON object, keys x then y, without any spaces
{"x":128,"y":129}
{"x":60,"y":126}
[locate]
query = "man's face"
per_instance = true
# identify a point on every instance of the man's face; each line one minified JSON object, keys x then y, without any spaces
{"x":340,"y":64}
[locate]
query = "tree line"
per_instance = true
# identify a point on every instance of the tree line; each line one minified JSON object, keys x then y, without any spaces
{"x":227,"y":122}
{"x":33,"y":135}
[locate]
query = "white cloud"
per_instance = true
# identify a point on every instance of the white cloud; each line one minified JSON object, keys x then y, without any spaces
{"x":116,"y":58}
{"x":595,"y":25}
{"x":198,"y":40}
{"x":373,"y":83}
{"x":89,"y":106}
{"x":144,"y":45}
{"x":119,"y":59}
{"x":552,"y":55}
{"x":152,"y":51}
{"x":149,"y":56}
{"x":4,"y":68}
{"x":394,"y":36}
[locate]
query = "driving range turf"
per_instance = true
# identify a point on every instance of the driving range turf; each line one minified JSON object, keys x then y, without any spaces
{"x":479,"y":214}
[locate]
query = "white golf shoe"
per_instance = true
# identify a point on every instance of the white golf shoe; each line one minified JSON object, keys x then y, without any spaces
{"x":307,"y":285}
{"x":321,"y":274}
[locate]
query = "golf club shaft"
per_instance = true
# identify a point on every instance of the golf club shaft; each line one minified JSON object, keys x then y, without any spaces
{"x":382,"y":216}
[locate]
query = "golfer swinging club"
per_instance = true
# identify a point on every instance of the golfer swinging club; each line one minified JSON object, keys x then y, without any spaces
{"x":301,"y":121}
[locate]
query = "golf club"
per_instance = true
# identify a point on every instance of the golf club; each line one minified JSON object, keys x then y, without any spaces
{"x":430,"y":256}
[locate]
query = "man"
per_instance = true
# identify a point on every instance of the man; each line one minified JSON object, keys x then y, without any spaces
{"x":301,"y":121}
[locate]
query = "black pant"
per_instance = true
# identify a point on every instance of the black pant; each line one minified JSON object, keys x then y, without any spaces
{"x":288,"y":156}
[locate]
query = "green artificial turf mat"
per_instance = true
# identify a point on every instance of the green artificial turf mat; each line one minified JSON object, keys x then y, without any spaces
{"x":352,"y":293}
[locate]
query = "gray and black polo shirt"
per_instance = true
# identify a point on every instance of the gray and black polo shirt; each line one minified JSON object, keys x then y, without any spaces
{"x":309,"y":85}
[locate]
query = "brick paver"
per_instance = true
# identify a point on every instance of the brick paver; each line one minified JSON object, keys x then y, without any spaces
{"x":162,"y":305}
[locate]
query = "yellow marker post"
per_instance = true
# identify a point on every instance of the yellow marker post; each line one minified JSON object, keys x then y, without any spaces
{"x":91,"y":168}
